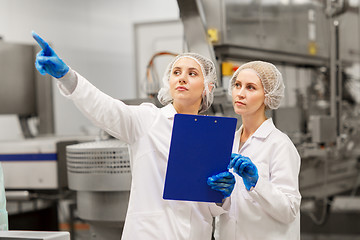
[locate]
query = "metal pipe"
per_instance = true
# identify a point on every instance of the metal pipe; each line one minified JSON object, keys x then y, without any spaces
{"x":335,"y":75}
{"x":193,"y":19}
{"x":17,"y":195}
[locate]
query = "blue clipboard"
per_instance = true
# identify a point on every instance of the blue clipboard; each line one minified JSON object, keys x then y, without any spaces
{"x":200,"y":147}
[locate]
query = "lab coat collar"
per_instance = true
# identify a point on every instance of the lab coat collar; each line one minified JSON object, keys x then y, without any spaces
{"x":169,"y":111}
{"x":263,"y":131}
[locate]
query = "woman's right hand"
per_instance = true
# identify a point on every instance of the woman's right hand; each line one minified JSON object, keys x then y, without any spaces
{"x":223,"y":182}
{"x":47,"y":61}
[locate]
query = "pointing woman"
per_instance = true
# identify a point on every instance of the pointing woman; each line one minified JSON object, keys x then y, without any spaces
{"x":189,"y":82}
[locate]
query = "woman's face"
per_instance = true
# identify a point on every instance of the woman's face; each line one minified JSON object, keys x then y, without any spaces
{"x":248,"y":93}
{"x":186,"y":82}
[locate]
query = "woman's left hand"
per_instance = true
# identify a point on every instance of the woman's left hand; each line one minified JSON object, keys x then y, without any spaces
{"x":245,"y":168}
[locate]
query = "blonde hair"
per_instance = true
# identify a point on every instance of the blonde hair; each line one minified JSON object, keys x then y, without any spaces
{"x":209,"y":72}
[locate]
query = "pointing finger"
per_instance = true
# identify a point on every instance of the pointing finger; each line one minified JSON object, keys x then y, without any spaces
{"x":43,"y":44}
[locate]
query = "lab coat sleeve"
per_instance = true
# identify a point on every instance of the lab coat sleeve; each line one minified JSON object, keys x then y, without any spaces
{"x":280,"y":197}
{"x":68,"y":82}
{"x":124,"y":122}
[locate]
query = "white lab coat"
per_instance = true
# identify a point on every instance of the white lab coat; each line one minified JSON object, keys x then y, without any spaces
{"x":270,"y":211}
{"x":147,"y":129}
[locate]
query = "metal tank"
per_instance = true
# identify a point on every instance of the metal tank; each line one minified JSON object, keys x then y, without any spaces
{"x":100,"y":174}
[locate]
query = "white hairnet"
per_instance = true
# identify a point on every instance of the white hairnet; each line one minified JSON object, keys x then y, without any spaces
{"x":270,"y":78}
{"x":208,"y":71}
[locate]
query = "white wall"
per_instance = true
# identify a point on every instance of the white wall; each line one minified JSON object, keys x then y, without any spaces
{"x":94,"y":37}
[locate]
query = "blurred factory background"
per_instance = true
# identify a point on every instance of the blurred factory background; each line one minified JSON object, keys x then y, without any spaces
{"x":60,"y":170}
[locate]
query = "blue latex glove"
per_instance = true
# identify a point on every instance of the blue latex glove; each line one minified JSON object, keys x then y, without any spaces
{"x":47,"y":61}
{"x":223,"y":182}
{"x":245,"y":168}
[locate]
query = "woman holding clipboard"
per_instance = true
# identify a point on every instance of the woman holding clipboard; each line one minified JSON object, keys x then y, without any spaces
{"x":189,"y":82}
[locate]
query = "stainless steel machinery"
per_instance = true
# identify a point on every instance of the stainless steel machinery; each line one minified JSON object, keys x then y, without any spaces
{"x":24,"y":91}
{"x":33,"y":165}
{"x":99,"y":172}
{"x":315,"y":44}
{"x":35,"y":235}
